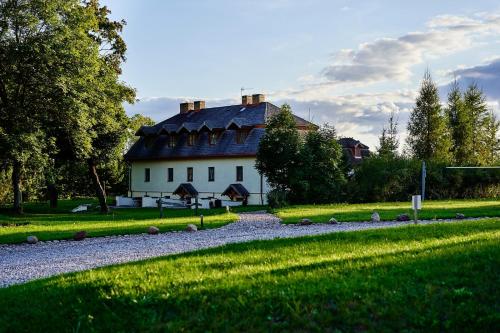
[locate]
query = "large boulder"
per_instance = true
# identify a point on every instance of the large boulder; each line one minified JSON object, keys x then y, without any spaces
{"x":305,"y":222}
{"x":375,"y":217}
{"x":152,"y":230}
{"x":333,"y":221}
{"x":32,"y":239}
{"x":191,"y":228}
{"x":403,"y":218}
{"x":459,"y":216}
{"x":80,"y":235}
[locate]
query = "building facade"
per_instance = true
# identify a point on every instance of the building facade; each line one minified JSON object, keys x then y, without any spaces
{"x":205,"y":152}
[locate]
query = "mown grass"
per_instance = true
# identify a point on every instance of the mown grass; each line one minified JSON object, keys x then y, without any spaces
{"x":60,"y":223}
{"x":390,"y":210}
{"x":431,"y":278}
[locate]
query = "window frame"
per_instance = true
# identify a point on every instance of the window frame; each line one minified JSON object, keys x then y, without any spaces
{"x":191,"y":139}
{"x":189,"y":174}
{"x":147,"y":175}
{"x":212,"y":138}
{"x":211,"y":174}
{"x":170,"y":175}
{"x":172,"y":140}
{"x":239,"y":173}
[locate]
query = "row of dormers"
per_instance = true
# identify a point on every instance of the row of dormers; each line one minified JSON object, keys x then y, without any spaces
{"x":187,"y":127}
{"x":192,"y":138}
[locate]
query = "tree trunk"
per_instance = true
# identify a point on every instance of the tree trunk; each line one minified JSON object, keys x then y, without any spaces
{"x":99,"y":189}
{"x":16,"y":187}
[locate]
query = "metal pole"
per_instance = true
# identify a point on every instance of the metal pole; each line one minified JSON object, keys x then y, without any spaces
{"x":201,"y":221}
{"x":196,"y":203}
{"x":424,"y":174}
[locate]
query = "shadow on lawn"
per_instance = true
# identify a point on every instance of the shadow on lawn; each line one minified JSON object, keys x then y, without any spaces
{"x":438,"y":288}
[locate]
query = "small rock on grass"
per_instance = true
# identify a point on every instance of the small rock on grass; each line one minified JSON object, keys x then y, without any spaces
{"x":305,"y":222}
{"x":191,"y":228}
{"x":32,"y":239}
{"x":152,"y":230}
{"x":375,"y":217}
{"x":403,"y":218}
{"x":80,"y":235}
{"x":333,"y":221}
{"x":459,"y":216}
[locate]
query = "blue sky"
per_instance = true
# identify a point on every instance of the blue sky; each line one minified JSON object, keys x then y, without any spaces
{"x":350,"y":62}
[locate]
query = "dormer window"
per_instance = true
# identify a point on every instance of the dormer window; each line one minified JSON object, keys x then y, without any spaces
{"x":149,"y":141}
{"x":357,"y":152}
{"x":212,"y":138}
{"x":241,"y":136}
{"x":191,"y":139}
{"x":172,"y":141}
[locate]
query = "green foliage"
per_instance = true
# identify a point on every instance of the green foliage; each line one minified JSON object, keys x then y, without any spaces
{"x":396,"y":179}
{"x":277,"y":198}
{"x":277,"y":156}
{"x":441,"y":277}
{"x":319,"y":177}
{"x":388,"y":140}
{"x":428,"y":136}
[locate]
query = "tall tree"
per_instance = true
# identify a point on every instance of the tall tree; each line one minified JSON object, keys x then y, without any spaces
{"x":428,"y":137}
{"x":277,"y":156}
{"x":388,"y":140}
{"x":492,"y":141}
{"x":320,"y":177}
{"x":461,"y":126}
{"x":478,"y":117}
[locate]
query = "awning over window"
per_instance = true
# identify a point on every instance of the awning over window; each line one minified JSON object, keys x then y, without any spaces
{"x":186,"y":190}
{"x":236,"y":191}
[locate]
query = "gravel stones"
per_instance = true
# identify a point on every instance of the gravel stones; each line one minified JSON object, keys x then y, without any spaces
{"x":191,"y":228}
{"x":152,"y":230}
{"x":375,"y":217}
{"x":32,"y":239}
{"x":80,"y":235}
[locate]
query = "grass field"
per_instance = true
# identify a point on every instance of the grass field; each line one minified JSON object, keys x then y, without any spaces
{"x":390,"y":210}
{"x":432,"y":278}
{"x":48,"y":224}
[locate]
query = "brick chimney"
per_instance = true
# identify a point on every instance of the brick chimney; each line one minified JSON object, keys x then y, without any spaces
{"x":258,"y":98}
{"x":199,"y":105}
{"x":246,"y":100}
{"x":187,"y":107}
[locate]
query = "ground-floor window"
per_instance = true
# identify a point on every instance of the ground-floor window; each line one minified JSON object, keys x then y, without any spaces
{"x":170,"y":175}
{"x":147,"y":175}
{"x":239,"y":173}
{"x":189,"y":174}
{"x":211,"y":174}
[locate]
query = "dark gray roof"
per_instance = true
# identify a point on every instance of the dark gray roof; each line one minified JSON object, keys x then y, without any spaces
{"x":351,"y":143}
{"x":237,"y":188}
{"x":186,"y":188}
{"x":225,"y":120}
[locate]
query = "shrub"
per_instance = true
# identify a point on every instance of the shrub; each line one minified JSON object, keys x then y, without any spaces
{"x":277,"y":198}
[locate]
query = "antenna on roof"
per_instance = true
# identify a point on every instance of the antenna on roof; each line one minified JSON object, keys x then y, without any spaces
{"x":242,"y":89}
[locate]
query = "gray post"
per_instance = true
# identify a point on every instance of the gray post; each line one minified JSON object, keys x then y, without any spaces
{"x":424,"y":174}
{"x":196,"y":203}
{"x":201,"y":221}
{"x":160,"y":206}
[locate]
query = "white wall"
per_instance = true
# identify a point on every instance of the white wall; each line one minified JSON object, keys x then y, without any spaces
{"x":225,"y":174}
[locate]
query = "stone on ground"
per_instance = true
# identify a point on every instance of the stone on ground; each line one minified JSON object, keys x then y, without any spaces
{"x":403,"y":218}
{"x":333,"y":221}
{"x":80,"y":235}
{"x":191,"y":227}
{"x":459,"y":216}
{"x":32,"y":239}
{"x":152,"y":230}
{"x":375,"y":217}
{"x":305,"y":222}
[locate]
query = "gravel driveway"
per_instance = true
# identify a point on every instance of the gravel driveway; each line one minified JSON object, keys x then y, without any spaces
{"x":24,"y":262}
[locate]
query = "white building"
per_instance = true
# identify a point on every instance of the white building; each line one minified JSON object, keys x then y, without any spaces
{"x":204,"y":152}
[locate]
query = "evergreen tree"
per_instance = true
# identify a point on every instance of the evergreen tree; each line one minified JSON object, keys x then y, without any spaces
{"x":491,"y":139}
{"x":389,"y":141}
{"x":277,"y":156}
{"x":428,"y":137}
{"x":478,"y":117}
{"x":461,"y":127}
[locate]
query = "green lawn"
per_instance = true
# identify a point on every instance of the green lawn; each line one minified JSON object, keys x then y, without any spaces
{"x":424,"y":278}
{"x":389,"y":210}
{"x":49,"y":224}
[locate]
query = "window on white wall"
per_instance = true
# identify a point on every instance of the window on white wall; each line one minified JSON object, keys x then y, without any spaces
{"x":211,"y":174}
{"x":189,"y":174}
{"x":170,"y":175}
{"x":147,"y":175}
{"x":239,"y":173}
